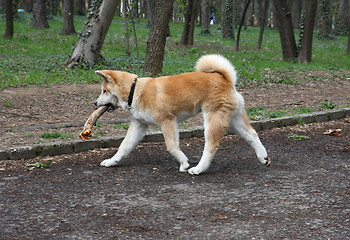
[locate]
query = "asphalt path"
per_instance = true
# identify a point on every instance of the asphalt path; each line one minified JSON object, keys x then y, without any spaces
{"x":304,"y":194}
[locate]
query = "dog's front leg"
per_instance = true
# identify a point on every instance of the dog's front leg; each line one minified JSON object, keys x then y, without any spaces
{"x":136,"y":132}
{"x":171,"y":136}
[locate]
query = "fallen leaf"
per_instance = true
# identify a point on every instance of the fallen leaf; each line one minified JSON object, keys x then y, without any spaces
{"x":333,"y":132}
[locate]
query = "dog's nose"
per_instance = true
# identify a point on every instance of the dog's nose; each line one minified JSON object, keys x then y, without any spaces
{"x":95,"y":103}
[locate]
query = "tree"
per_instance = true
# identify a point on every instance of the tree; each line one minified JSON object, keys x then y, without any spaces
{"x":190,"y":17}
{"x":348,"y":29}
{"x":285,"y":27}
{"x":325,"y":25}
{"x":304,"y":55}
{"x":89,"y":45}
{"x":227,"y":22}
{"x":39,"y":15}
{"x":205,"y":13}
{"x":80,"y":7}
{"x":126,"y":29}
{"x":157,"y":37}
{"x":68,"y":14}
{"x":262,"y":21}
{"x":241,"y":23}
{"x":9,"y":19}
{"x":296,"y":15}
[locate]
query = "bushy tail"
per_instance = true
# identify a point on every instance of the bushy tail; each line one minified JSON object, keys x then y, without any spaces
{"x":217,"y":63}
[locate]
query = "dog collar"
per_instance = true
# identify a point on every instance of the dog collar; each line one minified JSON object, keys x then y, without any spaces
{"x":131,"y":94}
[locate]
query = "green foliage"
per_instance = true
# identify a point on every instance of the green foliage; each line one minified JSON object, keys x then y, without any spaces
{"x":55,"y":135}
{"x":121,"y":125}
{"x":40,"y":165}
{"x":38,"y":57}
{"x":275,"y":114}
{"x":327,"y":105}
{"x":298,"y":137}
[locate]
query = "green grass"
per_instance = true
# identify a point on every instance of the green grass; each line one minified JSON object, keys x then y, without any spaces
{"x":38,"y":56}
{"x":51,"y":135}
{"x":299,"y":137}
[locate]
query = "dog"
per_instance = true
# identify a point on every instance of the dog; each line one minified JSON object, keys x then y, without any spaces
{"x":167,"y":100}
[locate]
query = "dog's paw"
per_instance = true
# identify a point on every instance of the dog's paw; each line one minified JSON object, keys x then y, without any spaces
{"x":267,"y":161}
{"x":108,"y":163}
{"x":183,"y":167}
{"x":194,"y":171}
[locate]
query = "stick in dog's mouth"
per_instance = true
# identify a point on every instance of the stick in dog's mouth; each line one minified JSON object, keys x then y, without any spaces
{"x":87,"y":131}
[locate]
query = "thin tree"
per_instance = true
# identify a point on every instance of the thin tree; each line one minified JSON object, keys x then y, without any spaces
{"x":39,"y":15}
{"x":325,"y":24}
{"x":126,"y":30}
{"x":9,"y":19}
{"x":305,"y":52}
{"x":227,"y":21}
{"x":205,"y":15}
{"x":262,"y":21}
{"x":285,"y":27}
{"x":157,"y":37}
{"x":68,"y":15}
{"x":241,"y":23}
{"x":89,"y":45}
{"x":190,"y":17}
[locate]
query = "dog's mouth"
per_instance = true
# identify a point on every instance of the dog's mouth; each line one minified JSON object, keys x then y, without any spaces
{"x":111,"y":107}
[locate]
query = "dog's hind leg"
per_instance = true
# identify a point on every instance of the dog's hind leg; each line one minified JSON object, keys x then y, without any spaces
{"x":136,"y":132}
{"x":241,"y":126}
{"x":171,"y":136}
{"x":215,"y":125}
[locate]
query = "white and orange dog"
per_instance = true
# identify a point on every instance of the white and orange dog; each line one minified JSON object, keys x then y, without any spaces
{"x":166,"y":100}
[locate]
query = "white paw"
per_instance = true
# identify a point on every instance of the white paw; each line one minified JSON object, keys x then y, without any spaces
{"x":108,"y":163}
{"x":194,"y":171}
{"x":183,"y":167}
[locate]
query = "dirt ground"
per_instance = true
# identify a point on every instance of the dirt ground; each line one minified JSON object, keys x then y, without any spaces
{"x":25,"y":110}
{"x":304,"y":194}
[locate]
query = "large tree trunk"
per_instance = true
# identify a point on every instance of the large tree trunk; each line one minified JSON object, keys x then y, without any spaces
{"x":68,"y":21}
{"x":190,"y":17}
{"x":285,"y":27}
{"x":89,"y":45}
{"x":157,"y":37}
{"x":9,"y":19}
{"x":39,"y":15}
{"x":305,"y":52}
{"x":227,"y":20}
{"x":205,"y":15}
{"x":296,"y":16}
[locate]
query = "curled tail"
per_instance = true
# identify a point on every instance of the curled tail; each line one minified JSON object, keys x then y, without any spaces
{"x":217,"y":63}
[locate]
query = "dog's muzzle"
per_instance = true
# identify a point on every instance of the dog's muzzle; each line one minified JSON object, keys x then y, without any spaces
{"x":111,"y":108}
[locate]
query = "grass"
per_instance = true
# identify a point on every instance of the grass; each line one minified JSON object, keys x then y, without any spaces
{"x":51,"y":135}
{"x":299,"y":137}
{"x":38,"y":56}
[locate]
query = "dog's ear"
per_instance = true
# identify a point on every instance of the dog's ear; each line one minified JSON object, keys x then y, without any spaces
{"x":104,"y":74}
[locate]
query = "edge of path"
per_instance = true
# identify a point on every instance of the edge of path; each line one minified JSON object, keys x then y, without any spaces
{"x":75,"y":146}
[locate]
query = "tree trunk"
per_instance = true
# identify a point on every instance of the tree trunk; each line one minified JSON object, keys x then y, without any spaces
{"x":340,"y":26}
{"x":88,"y":48}
{"x":305,"y":52}
{"x":285,"y":27}
{"x":150,"y":6}
{"x":157,"y":37}
{"x":9,"y":19}
{"x":348,"y":51}
{"x":205,"y":15}
{"x":262,"y":21}
{"x":126,"y":29}
{"x":80,"y":7}
{"x":227,"y":20}
{"x":190,"y":15}
{"x":325,"y":26}
{"x":296,"y":16}
{"x":68,"y":22}
{"x":39,"y":15}
{"x":241,"y":23}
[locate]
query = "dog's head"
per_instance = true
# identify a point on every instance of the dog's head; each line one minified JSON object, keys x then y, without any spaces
{"x":115,"y":88}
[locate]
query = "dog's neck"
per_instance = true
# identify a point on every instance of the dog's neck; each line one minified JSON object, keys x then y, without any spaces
{"x":131,"y":94}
